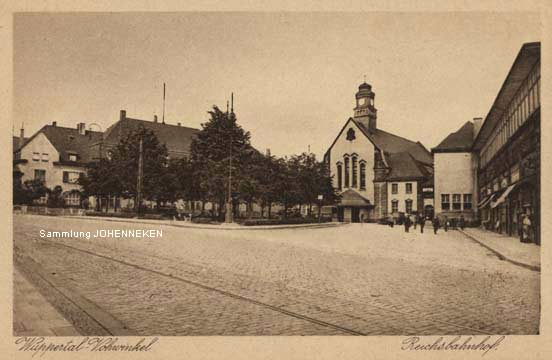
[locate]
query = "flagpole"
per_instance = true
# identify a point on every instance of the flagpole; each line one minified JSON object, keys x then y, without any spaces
{"x":164,"y":91}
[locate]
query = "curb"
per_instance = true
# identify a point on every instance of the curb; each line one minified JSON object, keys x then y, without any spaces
{"x":99,"y":322}
{"x":213,"y":227}
{"x":502,"y":256}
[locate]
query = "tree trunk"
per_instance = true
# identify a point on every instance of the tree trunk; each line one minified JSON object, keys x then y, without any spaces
{"x":269,"y":210}
{"x":250,"y":209}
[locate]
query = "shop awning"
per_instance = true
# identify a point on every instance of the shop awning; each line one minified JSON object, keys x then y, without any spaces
{"x":486,"y":201}
{"x":483,"y":201}
{"x":503,"y":197}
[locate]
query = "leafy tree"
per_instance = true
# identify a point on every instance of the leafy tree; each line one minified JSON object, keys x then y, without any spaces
{"x":55,"y":197}
{"x":118,"y":175}
{"x":28,"y":191}
{"x":220,"y":142}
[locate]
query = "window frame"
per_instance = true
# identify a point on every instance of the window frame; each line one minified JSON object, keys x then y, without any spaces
{"x":408,"y":204}
{"x":394,"y":188}
{"x":394,"y":206}
{"x":456,"y":202}
{"x":447,"y":202}
{"x":362,"y":168}
{"x":407,"y":186}
{"x":469,"y":203}
{"x":42,"y":177}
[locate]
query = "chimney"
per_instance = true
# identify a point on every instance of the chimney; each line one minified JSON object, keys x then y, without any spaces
{"x":179,"y":124}
{"x":268,"y":152}
{"x":123,"y":115}
{"x":477,"y":123}
{"x":81,"y":127}
{"x":21,"y":136}
{"x":54,"y":123}
{"x":154,"y":118}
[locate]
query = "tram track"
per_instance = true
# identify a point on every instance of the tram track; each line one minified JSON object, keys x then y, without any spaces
{"x":265,"y":305}
{"x":296,"y":315}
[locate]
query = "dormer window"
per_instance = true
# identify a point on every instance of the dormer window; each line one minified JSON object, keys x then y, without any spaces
{"x":72,"y":157}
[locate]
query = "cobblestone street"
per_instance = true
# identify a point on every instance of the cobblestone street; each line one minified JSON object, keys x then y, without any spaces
{"x":354,"y":279}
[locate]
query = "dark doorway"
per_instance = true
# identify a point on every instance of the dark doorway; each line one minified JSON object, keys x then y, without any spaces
{"x":355,"y":215}
{"x":340,"y":214}
{"x":428,"y":212}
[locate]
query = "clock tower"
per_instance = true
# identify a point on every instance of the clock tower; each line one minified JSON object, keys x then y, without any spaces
{"x":365,"y":112}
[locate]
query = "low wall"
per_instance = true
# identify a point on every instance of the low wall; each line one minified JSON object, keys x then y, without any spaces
{"x":43,"y":210}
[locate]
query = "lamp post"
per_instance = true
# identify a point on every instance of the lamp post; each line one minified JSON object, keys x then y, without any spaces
{"x":228,"y":215}
{"x":320,"y":198}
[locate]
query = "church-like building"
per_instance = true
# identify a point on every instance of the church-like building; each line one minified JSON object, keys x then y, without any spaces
{"x":378,"y":174}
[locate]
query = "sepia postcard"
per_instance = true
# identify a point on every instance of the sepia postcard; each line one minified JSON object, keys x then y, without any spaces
{"x":259,"y":182}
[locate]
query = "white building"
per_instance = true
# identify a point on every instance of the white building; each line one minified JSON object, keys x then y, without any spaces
{"x":377,"y":173}
{"x":455,"y":173}
{"x":57,"y":156}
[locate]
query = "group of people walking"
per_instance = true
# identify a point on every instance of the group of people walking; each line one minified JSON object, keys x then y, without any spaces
{"x":420,"y":219}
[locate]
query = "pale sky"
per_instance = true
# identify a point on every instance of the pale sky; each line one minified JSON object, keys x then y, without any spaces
{"x":294,"y":75}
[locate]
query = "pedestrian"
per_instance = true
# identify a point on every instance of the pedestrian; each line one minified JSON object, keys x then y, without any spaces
{"x":361,"y":219}
{"x":436,"y":224}
{"x":407,"y":223}
{"x":422,"y":223}
{"x":414,"y":218}
{"x":526,"y":232}
{"x":446,"y":223}
{"x":462,"y":222}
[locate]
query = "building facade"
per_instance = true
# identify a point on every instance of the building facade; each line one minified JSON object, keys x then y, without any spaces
{"x":508,"y":152}
{"x":58,"y":155}
{"x":377,"y":173}
{"x":456,"y":173}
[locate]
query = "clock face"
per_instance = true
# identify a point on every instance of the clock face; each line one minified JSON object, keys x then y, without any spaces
{"x":362,"y":101}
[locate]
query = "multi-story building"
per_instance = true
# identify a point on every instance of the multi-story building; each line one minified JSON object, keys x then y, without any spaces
{"x":456,"y":173}
{"x":508,"y":151}
{"x":177,"y":138}
{"x":58,"y":155}
{"x":377,"y":173}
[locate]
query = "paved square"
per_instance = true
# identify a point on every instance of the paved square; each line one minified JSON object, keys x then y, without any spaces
{"x":365,"y":279}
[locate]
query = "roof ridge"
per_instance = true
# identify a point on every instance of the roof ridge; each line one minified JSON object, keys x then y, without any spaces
{"x":398,"y":136}
{"x":161,"y":124}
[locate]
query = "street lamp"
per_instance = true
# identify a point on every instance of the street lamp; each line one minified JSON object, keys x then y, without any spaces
{"x":228,"y":215}
{"x":320,"y":198}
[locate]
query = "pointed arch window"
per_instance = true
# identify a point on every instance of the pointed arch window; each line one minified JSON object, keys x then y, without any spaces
{"x":354,"y":161}
{"x":347,"y":170}
{"x":339,"y":176}
{"x":362,"y":175}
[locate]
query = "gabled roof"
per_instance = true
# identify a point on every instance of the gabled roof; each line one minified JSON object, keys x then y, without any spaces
{"x":68,"y":141}
{"x":177,"y":139}
{"x":459,"y":141}
{"x":352,"y":198}
{"x":391,"y":144}
{"x":404,"y":167}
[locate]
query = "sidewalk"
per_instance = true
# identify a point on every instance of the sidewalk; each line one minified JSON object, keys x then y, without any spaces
{"x":33,"y":315}
{"x":507,"y":247}
{"x":222,"y":226}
